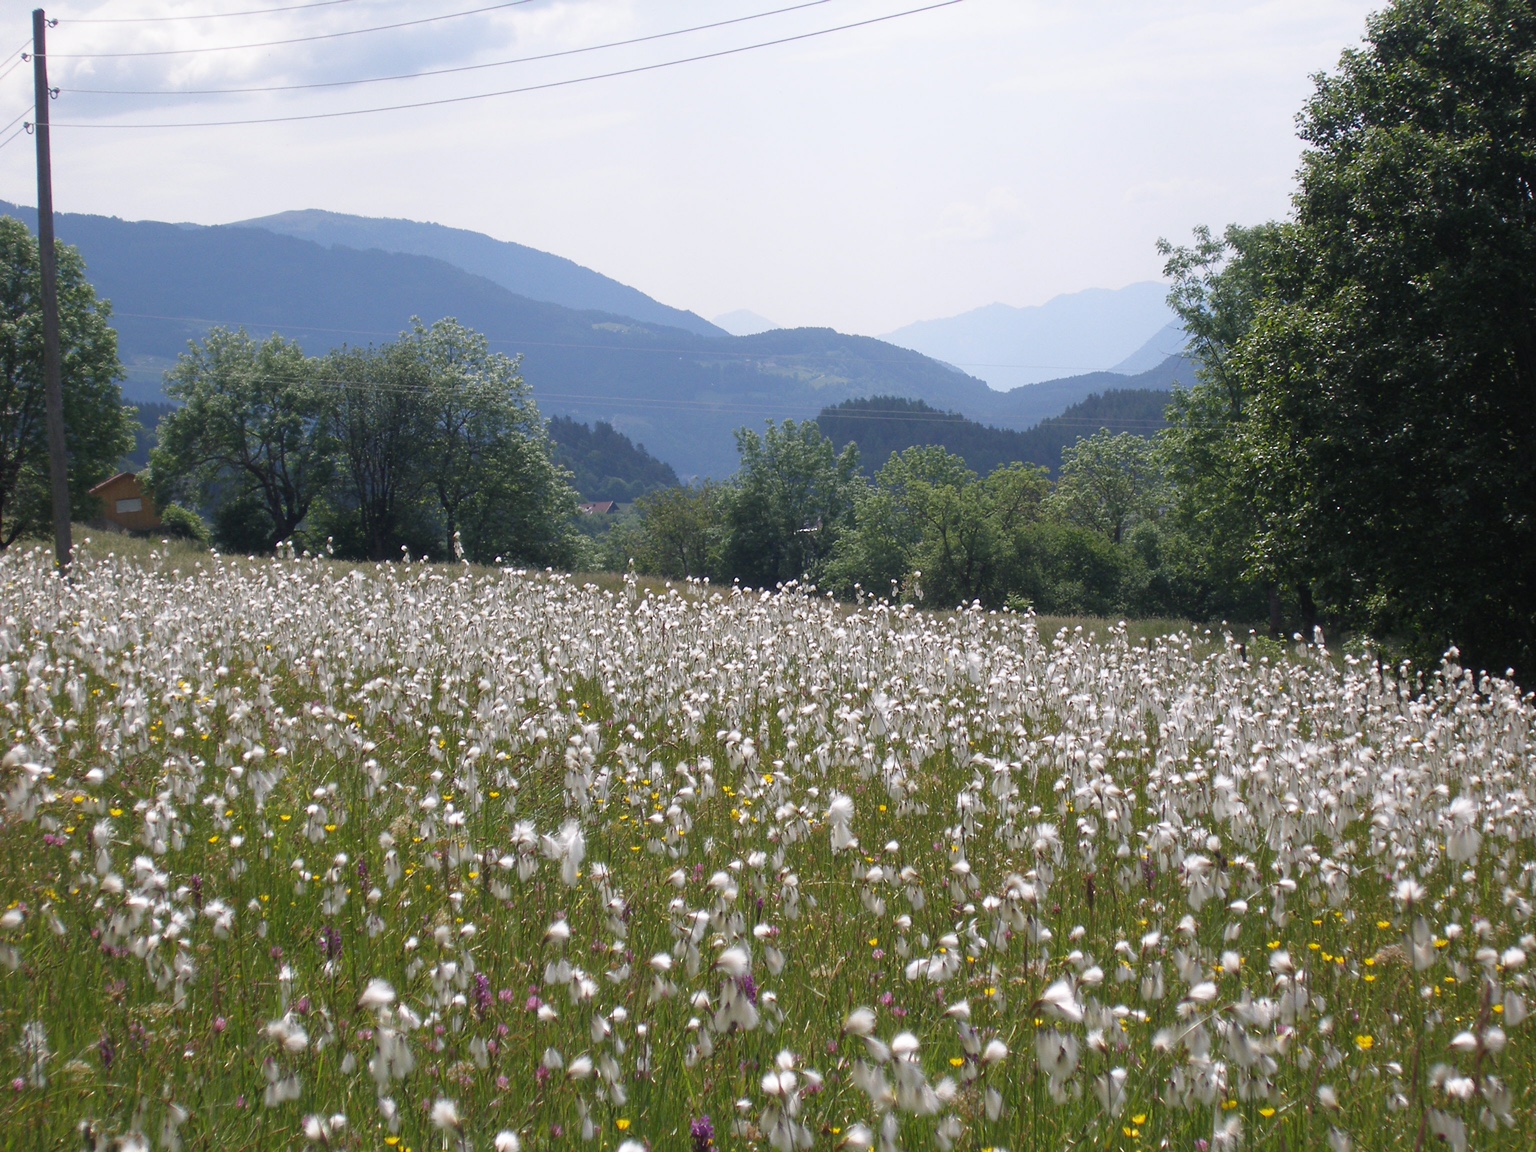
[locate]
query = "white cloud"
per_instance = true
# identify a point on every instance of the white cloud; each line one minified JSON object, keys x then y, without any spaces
{"x":998,"y":212}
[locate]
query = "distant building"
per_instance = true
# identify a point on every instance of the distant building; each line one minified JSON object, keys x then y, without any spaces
{"x":124,"y":503}
{"x":599,"y":508}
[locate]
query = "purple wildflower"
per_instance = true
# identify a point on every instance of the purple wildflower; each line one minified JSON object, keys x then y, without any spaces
{"x":330,"y":942}
{"x":703,"y":1132}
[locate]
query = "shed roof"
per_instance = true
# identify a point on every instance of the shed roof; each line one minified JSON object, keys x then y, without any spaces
{"x":111,"y":480}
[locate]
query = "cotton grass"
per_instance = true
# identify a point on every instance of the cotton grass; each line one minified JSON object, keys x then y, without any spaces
{"x":413,"y":857}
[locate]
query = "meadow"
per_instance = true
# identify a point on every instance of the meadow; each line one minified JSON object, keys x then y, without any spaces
{"x":408,"y":857}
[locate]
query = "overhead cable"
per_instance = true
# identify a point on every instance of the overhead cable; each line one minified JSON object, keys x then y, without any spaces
{"x":21,"y":58}
{"x":203,"y":15}
{"x":704,"y":406}
{"x":513,"y":91}
{"x":439,"y":71}
{"x":28,"y":108}
{"x":293,"y":40}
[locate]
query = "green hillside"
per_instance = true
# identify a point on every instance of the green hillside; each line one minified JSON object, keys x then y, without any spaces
{"x":882,"y":425}
{"x":605,"y":463}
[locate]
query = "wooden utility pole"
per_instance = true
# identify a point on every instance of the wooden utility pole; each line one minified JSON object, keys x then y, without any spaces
{"x":53,"y":375}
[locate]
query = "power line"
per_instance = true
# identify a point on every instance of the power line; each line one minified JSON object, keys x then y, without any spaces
{"x":29,"y":108}
{"x":526,"y":88}
{"x":438,"y":71}
{"x":203,"y":15}
{"x":13,"y":135}
{"x":294,"y":40}
{"x":21,"y":58}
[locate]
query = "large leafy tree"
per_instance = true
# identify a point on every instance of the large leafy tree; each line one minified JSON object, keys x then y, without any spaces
{"x":679,"y":532}
{"x":1394,"y":355}
{"x":1219,"y":283}
{"x":252,"y":438}
{"x":929,"y":523}
{"x":382,"y":425}
{"x":792,"y":498}
{"x":492,"y":470}
{"x":442,"y":449}
{"x":1109,"y":484}
{"x":1363,"y":429}
{"x":98,"y":429}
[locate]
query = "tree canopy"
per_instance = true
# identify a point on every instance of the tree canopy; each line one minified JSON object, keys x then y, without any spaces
{"x":429,"y":445}
{"x":98,"y":429}
{"x":1370,"y":363}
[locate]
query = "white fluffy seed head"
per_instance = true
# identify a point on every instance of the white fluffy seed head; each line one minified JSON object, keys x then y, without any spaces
{"x":378,"y":994}
{"x":735,"y":962}
{"x":860,"y":1022}
{"x":445,"y":1115}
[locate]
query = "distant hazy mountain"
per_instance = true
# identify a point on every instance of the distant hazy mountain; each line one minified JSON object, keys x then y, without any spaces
{"x":744,"y":323}
{"x":526,"y":271}
{"x":1170,"y":341}
{"x":1008,"y":347}
{"x":680,"y":393}
{"x":1026,"y":407}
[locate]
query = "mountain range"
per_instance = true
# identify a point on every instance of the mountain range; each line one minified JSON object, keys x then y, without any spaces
{"x":682,"y":390}
{"x":1100,"y":329}
{"x":525,"y":271}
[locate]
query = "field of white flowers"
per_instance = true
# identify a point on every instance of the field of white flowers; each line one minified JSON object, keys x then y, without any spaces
{"x":408,"y":858}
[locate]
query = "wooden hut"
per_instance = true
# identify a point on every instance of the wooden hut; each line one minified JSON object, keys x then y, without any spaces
{"x":125,"y":504}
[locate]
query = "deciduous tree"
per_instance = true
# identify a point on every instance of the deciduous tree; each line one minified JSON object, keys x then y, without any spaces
{"x":252,"y":438}
{"x":98,"y":429}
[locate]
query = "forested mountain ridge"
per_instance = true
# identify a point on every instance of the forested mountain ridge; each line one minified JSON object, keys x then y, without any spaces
{"x":604,"y":463}
{"x":1079,"y":332}
{"x":882,"y":425}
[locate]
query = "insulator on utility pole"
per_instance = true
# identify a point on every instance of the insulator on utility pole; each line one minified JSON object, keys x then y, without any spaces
{"x":53,"y":375}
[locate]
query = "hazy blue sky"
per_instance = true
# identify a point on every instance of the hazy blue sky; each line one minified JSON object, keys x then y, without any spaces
{"x":1003,"y":150}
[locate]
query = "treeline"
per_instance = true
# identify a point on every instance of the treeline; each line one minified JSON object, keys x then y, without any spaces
{"x":429,"y":446}
{"x":1107,"y":537}
{"x":883,"y":425}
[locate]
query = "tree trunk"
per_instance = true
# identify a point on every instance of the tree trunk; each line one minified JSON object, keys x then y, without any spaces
{"x":1276,"y":619}
{"x":1308,"y":612}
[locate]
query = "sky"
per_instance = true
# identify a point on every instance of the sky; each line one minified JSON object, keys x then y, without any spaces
{"x":907,"y":169}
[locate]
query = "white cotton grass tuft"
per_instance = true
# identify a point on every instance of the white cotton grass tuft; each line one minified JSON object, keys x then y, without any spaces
{"x":445,"y":1115}
{"x":735,"y":962}
{"x":1060,"y":1001}
{"x":860,"y":1022}
{"x":378,"y":994}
